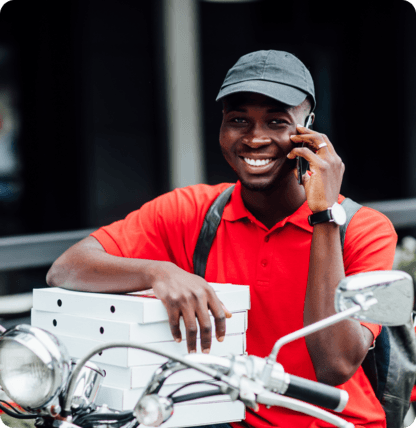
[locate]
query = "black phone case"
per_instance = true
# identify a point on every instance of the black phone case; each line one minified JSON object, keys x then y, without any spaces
{"x":302,"y":164}
{"x":302,"y":167}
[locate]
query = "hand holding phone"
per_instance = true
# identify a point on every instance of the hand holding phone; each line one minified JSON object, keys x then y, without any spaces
{"x":301,"y":163}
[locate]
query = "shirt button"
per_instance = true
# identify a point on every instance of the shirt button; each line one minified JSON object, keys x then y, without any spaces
{"x":266,"y":238}
{"x":264,"y":262}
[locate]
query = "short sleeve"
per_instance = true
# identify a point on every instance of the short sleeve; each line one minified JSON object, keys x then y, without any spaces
{"x":374,"y":328}
{"x":164,"y":229}
{"x":370,"y":242}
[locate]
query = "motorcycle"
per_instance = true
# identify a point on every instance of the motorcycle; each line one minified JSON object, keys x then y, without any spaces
{"x":37,"y":374}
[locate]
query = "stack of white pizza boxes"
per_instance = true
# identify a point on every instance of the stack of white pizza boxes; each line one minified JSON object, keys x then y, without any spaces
{"x":82,"y":321}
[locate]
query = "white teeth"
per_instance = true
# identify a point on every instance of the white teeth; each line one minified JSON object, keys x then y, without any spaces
{"x":257,"y":162}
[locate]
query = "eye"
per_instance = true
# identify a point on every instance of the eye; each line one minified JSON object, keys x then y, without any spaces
{"x":279,"y":122}
{"x":238,"y":120}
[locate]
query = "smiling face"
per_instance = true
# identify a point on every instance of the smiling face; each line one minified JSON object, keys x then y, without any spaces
{"x":254,"y":138}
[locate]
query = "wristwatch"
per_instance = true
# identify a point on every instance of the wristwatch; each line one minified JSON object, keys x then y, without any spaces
{"x":335,"y":214}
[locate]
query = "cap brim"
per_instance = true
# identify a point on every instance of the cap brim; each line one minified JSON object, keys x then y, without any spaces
{"x":279,"y":92}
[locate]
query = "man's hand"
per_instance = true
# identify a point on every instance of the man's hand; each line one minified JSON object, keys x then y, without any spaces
{"x":322,"y":187}
{"x":190,"y":296}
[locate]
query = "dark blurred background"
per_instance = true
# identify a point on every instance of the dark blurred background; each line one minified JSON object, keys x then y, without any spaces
{"x":87,"y":112}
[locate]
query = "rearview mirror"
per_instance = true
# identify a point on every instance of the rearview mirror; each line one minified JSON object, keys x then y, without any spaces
{"x":392,"y":289}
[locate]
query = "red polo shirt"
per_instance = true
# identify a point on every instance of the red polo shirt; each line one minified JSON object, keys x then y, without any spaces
{"x":273,"y":262}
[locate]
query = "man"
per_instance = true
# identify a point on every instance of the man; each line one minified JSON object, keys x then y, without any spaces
{"x":264,"y":240}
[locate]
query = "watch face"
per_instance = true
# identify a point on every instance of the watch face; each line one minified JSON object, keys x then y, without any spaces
{"x":338,"y":214}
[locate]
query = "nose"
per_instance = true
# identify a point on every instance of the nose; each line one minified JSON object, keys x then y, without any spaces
{"x":258,"y":142}
{"x":256,"y":138}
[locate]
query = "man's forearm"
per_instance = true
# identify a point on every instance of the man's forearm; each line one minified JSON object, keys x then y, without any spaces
{"x":338,"y":350}
{"x":87,"y":267}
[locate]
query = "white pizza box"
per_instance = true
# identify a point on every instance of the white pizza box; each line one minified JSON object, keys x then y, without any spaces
{"x":126,"y":399}
{"x":132,"y":307}
{"x":78,"y":347}
{"x":139,"y":376}
{"x":110,"y":330}
{"x":205,"y":411}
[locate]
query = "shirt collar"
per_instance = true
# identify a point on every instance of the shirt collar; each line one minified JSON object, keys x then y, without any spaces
{"x":236,"y":210}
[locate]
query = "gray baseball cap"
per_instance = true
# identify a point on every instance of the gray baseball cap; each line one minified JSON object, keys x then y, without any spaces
{"x":276,"y":74}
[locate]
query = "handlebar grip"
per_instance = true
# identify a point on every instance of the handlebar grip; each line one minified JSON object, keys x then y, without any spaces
{"x":317,"y":393}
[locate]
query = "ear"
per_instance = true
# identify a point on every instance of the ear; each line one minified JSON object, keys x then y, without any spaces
{"x":313,"y":118}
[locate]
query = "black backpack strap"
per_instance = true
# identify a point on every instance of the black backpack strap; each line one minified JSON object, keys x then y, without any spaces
{"x":369,"y":364}
{"x":350,"y":208}
{"x":209,"y":230}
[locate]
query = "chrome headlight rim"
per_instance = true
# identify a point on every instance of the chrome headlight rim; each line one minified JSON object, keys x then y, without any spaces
{"x":87,"y":384}
{"x":50,"y":351}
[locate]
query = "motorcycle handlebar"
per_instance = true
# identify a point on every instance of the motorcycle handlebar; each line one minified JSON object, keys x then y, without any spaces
{"x":292,"y":386}
{"x":317,"y":393}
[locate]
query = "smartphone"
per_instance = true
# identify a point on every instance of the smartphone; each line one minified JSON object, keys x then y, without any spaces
{"x":301,"y":163}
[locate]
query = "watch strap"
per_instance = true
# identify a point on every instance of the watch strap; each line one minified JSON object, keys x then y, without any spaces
{"x":320,"y":217}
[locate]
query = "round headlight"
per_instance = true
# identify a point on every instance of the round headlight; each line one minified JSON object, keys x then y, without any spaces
{"x":34,"y":366}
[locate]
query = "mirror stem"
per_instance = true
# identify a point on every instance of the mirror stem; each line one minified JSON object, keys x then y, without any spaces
{"x":305,"y":331}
